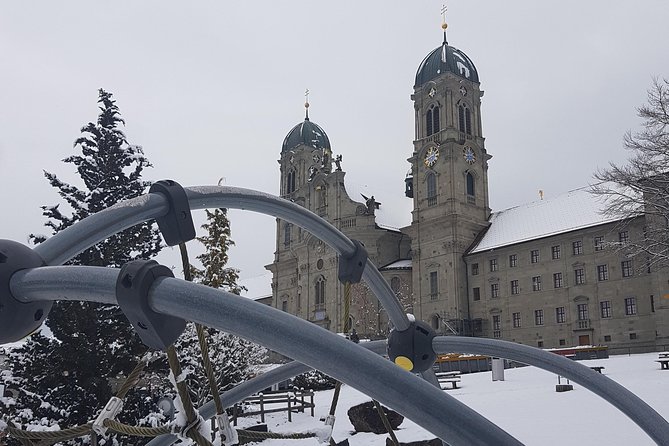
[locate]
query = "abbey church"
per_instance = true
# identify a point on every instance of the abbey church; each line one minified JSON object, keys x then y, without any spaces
{"x":542,"y":274}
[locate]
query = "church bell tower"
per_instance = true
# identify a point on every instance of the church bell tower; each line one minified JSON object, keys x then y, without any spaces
{"x":448,"y":183}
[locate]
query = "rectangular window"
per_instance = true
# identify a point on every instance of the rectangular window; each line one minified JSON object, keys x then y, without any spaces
{"x":607,"y":338}
{"x":536,"y":283}
{"x":534,"y":256}
{"x":540,"y":344}
{"x":579,"y":276}
{"x":599,"y":243}
{"x":562,"y":342}
{"x":605,"y":307}
{"x":623,"y":237}
{"x":284,"y":306}
{"x":538,"y":317}
{"x":476,"y":292}
{"x":577,"y":247}
{"x":630,"y":306}
{"x":602,"y":272}
{"x":555,"y":252}
{"x":286,"y":234}
{"x":582,"y":312}
{"x":514,"y":287}
{"x":494,"y":290}
{"x":557,"y":280}
{"x":513,"y":261}
{"x":475,"y":269}
{"x":632,"y":336}
{"x":496,"y":322}
{"x":626,"y":268}
{"x":434,"y":285}
{"x":652,"y":303}
{"x":493,"y":265}
{"x":516,"y":320}
{"x":560,"y":315}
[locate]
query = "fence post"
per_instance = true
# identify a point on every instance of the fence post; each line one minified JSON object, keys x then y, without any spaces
{"x":262,"y":409}
{"x":302,"y":400}
{"x":290,"y":411}
{"x":234,"y":414}
{"x":311,"y":394}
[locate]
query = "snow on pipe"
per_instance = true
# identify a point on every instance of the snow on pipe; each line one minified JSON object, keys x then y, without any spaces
{"x":314,"y":346}
{"x":68,"y":243}
{"x":627,"y":402}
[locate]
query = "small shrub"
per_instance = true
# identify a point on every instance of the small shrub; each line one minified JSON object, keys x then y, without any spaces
{"x":314,"y":380}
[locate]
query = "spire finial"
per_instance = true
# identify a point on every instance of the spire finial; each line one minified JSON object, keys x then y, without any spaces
{"x":306,"y":104}
{"x":444,"y":25}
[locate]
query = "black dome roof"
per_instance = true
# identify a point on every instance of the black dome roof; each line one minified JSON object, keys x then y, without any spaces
{"x":446,"y":58}
{"x":307,"y":133}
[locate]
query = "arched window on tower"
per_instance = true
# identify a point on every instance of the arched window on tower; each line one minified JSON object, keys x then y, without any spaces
{"x":471,"y":191}
{"x":290,"y":181}
{"x":321,"y":196}
{"x":286,"y":233}
{"x":464,"y":119}
{"x":320,"y":293}
{"x":431,"y":189}
{"x":432,"y":120}
{"x":428,"y":123}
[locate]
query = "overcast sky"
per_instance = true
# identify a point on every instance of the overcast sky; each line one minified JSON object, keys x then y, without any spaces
{"x":211,"y":88}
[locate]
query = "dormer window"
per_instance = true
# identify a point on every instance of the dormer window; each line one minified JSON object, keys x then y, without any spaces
{"x":432,"y":120}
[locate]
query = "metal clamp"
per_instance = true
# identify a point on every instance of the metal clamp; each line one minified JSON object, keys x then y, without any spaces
{"x":18,"y":319}
{"x":227,"y":433}
{"x":412,"y":349}
{"x":352,"y":267}
{"x":177,"y":225}
{"x":156,"y":330}
{"x":110,"y":411}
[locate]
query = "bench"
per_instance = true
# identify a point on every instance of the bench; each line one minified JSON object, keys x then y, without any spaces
{"x":598,"y":368}
{"x":453,"y":381}
{"x":452,"y":378}
{"x":664,"y":363}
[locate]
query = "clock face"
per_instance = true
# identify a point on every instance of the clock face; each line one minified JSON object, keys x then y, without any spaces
{"x":463,"y":90}
{"x":432,"y":92}
{"x":431,"y":156}
{"x":469,"y":155}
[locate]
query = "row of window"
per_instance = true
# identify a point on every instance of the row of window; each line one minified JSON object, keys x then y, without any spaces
{"x":558,"y":281}
{"x":561,"y":314}
{"x":432,"y":120}
{"x":431,"y":180}
{"x":556,"y":253}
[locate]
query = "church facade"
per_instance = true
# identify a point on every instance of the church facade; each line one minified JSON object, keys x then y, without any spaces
{"x":553,"y":273}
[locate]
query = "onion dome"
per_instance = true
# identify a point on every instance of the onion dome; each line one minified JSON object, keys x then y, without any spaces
{"x":443,"y":59}
{"x":306,"y":133}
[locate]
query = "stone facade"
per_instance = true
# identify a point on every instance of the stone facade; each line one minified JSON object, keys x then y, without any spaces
{"x":555,"y":290}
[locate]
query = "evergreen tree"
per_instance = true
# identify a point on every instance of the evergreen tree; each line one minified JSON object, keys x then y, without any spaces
{"x":94,"y":343}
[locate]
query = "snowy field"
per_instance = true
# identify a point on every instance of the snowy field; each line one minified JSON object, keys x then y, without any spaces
{"x":526,"y":405}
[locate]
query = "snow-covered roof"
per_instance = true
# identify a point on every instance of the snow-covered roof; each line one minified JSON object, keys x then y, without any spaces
{"x":573,"y":210}
{"x":400,"y":264}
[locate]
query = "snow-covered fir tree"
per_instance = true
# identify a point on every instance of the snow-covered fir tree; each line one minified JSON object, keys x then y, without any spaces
{"x":65,"y":381}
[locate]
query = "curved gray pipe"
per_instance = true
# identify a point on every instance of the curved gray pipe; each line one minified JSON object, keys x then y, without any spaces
{"x":68,"y":243}
{"x":631,"y":405}
{"x":435,"y":411}
{"x":255,"y":385}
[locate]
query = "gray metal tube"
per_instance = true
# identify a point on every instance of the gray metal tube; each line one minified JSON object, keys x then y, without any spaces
{"x":435,"y":411}
{"x":68,"y":243}
{"x":255,"y":385}
{"x":627,"y":402}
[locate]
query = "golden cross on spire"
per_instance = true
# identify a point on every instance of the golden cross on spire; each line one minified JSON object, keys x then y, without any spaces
{"x":443,"y":16}
{"x":306,"y":103}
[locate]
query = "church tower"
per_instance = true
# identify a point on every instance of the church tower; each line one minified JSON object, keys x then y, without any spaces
{"x":448,"y":183}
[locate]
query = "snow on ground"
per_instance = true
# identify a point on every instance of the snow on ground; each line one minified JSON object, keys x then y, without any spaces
{"x":526,"y":405}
